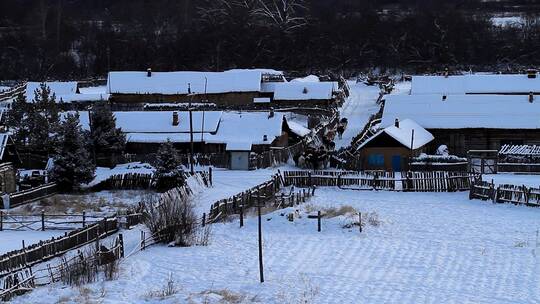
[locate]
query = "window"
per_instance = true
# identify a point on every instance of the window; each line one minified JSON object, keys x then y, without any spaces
{"x":376,"y":160}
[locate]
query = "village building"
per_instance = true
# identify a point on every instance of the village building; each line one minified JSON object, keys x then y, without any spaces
{"x":469,"y":122}
{"x":509,"y":84}
{"x":310,"y":94}
{"x":391,"y":148}
{"x":213,"y":131}
{"x":64,"y":92}
{"x":229,"y":88}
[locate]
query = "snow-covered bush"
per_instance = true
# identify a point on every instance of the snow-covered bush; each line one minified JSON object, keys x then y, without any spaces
{"x":425,"y":158}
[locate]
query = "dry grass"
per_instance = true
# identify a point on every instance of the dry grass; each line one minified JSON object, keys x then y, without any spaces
{"x":169,"y":289}
{"x":344,"y":210}
{"x":227,"y":296}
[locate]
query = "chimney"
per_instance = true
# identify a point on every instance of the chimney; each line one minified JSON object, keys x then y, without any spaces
{"x":531,"y":97}
{"x":396,"y":123}
{"x":265,"y":137}
{"x":271,"y":114}
{"x":149,"y":72}
{"x":175,"y":120}
{"x":305,"y":91}
{"x":446,"y":73}
{"x":444,"y":98}
{"x":531,"y":73}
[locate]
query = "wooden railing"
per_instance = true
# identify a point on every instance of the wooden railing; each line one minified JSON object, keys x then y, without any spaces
{"x":506,"y":193}
{"x":27,"y":196}
{"x":438,"y":181}
{"x":42,"y":251}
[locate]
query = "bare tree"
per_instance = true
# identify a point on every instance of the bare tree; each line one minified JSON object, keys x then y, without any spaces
{"x":283,"y":14}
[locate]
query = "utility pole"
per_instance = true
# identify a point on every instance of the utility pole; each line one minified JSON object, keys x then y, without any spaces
{"x":261,"y":269}
{"x":192,"y":170}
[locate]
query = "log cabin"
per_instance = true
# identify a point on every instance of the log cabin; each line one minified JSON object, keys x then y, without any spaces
{"x":469,"y":122}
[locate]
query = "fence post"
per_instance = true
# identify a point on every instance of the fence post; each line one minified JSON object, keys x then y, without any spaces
{"x":360,"y":221}
{"x":121,"y":239}
{"x":319,"y":221}
{"x":210,"y":175}
{"x":310,"y":181}
{"x":97,"y":238}
{"x":1,"y":220}
{"x":142,"y":240}
{"x":241,"y":216}
{"x":42,"y":220}
{"x":204,"y":219}
{"x":84,"y":219}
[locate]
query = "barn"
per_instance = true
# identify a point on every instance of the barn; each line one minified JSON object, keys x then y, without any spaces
{"x":469,"y":121}
{"x":391,"y":148}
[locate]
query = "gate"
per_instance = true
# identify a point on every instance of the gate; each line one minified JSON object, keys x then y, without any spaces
{"x":482,"y":161}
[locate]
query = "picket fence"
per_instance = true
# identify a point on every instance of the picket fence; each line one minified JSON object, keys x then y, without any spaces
{"x":438,"y":181}
{"x":514,"y":194}
{"x":45,"y":250}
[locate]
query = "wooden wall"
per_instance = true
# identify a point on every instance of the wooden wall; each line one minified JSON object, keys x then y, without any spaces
{"x":459,"y":141}
{"x":219,"y":99}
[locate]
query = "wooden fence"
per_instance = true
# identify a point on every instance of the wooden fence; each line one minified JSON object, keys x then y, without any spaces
{"x":380,"y":180}
{"x":47,"y":221}
{"x":31,"y":195}
{"x":67,"y":271}
{"x":246,"y":199}
{"x":519,"y":195}
{"x":130,"y":181}
{"x":45,"y":250}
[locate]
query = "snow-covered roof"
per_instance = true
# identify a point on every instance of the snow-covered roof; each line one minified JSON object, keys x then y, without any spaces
{"x":172,"y":83}
{"x":309,"y":78}
{"x":475,"y":84}
{"x":404,"y":134}
{"x":65,"y":92}
{"x":4,"y":137}
{"x":298,"y":129}
{"x":219,"y":127}
{"x":263,"y":71}
{"x":304,"y":90}
{"x":464,"y":111}
{"x":238,"y":146}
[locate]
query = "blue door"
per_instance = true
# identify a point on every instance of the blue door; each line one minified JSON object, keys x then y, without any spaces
{"x":396,"y":163}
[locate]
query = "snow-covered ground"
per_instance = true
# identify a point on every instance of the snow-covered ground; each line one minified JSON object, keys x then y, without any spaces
{"x":514,"y":179}
{"x":12,"y":240}
{"x":358,"y":107}
{"x":425,"y":248}
{"x":227,"y":183}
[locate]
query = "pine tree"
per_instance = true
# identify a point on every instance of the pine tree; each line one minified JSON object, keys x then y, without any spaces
{"x":72,"y":162}
{"x":168,"y":162}
{"x":16,"y":118}
{"x":106,"y":138}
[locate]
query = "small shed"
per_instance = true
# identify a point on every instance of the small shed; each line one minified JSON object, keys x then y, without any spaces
{"x":239,"y":153}
{"x":390,"y":148}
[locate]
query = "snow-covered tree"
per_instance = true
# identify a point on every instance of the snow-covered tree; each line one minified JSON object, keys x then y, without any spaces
{"x":15,"y":119}
{"x":72,"y":162}
{"x":106,"y":138}
{"x":168,"y":162}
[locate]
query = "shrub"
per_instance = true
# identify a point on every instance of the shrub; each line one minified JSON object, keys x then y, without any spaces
{"x":171,"y":219}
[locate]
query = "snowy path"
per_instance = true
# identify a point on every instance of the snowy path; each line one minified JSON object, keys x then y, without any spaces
{"x":430,"y":248}
{"x":358,"y":107}
{"x":227,"y":183}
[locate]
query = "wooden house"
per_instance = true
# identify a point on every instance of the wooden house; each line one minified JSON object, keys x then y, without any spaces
{"x":229,"y":88}
{"x":391,"y":148}
{"x":64,"y":92}
{"x":303,"y":94}
{"x":469,"y":122}
{"x":213,"y":131}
